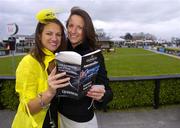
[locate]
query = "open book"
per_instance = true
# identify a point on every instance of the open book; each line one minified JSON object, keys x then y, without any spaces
{"x":82,"y":71}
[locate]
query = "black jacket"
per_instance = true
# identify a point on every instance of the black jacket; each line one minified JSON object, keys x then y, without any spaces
{"x":77,"y":110}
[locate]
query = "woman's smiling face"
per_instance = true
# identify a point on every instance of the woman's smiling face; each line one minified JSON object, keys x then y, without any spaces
{"x":75,"y":30}
{"x":51,"y":36}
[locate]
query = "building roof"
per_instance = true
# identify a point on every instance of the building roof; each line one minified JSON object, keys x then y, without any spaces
{"x":117,"y":39}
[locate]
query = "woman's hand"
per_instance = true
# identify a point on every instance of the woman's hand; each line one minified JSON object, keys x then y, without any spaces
{"x":57,"y":81}
{"x":96,"y":92}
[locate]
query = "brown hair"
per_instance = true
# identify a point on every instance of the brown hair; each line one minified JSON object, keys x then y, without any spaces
{"x":89,"y":31}
{"x":37,"y":52}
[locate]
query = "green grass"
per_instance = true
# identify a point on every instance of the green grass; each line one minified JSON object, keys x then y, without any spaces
{"x":8,"y":65}
{"x":139,"y":62}
{"x":121,"y":63}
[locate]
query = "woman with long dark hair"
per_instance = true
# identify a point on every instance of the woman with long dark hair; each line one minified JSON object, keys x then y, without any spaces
{"x":82,"y":39}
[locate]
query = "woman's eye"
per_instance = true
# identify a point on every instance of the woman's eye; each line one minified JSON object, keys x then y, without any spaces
{"x":70,"y":26}
{"x":49,"y":33}
{"x":59,"y":34}
{"x":80,"y":28}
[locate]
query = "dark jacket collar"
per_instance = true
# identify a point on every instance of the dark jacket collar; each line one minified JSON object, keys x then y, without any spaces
{"x":82,"y":48}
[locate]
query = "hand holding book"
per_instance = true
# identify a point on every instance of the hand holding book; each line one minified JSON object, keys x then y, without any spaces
{"x":56,"y":81}
{"x":96,"y":92}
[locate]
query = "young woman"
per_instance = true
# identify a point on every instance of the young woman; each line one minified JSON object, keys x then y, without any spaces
{"x":82,"y":39}
{"x":36,"y":82}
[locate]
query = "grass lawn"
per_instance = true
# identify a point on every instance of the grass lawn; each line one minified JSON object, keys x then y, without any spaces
{"x":8,"y":65}
{"x":121,"y":63}
{"x":139,"y":62}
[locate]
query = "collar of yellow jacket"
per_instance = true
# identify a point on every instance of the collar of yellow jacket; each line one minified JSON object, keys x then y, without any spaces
{"x":48,"y":58}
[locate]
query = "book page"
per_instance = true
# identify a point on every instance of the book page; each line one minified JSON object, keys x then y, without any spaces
{"x":69,"y":57}
{"x":92,"y":53}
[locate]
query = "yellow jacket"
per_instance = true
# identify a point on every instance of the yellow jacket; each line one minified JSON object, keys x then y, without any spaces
{"x":31,"y":79}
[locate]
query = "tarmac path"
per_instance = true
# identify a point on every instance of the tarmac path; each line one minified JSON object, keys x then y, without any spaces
{"x":166,"y":117}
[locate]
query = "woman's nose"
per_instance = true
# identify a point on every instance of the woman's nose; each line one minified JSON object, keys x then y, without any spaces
{"x":54,"y":37}
{"x":73,"y":30}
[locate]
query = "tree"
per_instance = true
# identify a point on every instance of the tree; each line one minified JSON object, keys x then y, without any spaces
{"x":128,"y":36}
{"x":102,"y":35}
{"x":143,"y":36}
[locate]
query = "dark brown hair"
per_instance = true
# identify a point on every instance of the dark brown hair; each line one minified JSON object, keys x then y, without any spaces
{"x":89,"y":31}
{"x":37,"y":52}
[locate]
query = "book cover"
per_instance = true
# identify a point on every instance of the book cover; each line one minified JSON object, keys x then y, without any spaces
{"x":82,"y":71}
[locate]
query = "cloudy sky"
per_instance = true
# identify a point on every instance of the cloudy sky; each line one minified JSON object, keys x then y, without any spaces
{"x":117,"y":17}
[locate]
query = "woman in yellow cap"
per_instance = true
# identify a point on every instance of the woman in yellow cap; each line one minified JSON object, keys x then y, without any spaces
{"x":36,"y":80}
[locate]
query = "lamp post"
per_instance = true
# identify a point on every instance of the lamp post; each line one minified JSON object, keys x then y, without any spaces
{"x":12,"y":30}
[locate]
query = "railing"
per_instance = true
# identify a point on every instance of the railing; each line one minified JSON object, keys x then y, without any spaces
{"x":7,"y":78}
{"x":156,"y":79}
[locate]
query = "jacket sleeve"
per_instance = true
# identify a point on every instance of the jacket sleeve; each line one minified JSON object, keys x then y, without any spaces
{"x":103,"y":79}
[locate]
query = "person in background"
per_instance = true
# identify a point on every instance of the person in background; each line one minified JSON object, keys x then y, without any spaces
{"x":82,"y":39}
{"x":7,"y":47}
{"x":36,"y":78}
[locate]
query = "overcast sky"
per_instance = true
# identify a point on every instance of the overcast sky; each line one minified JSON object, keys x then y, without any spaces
{"x":117,"y":17}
